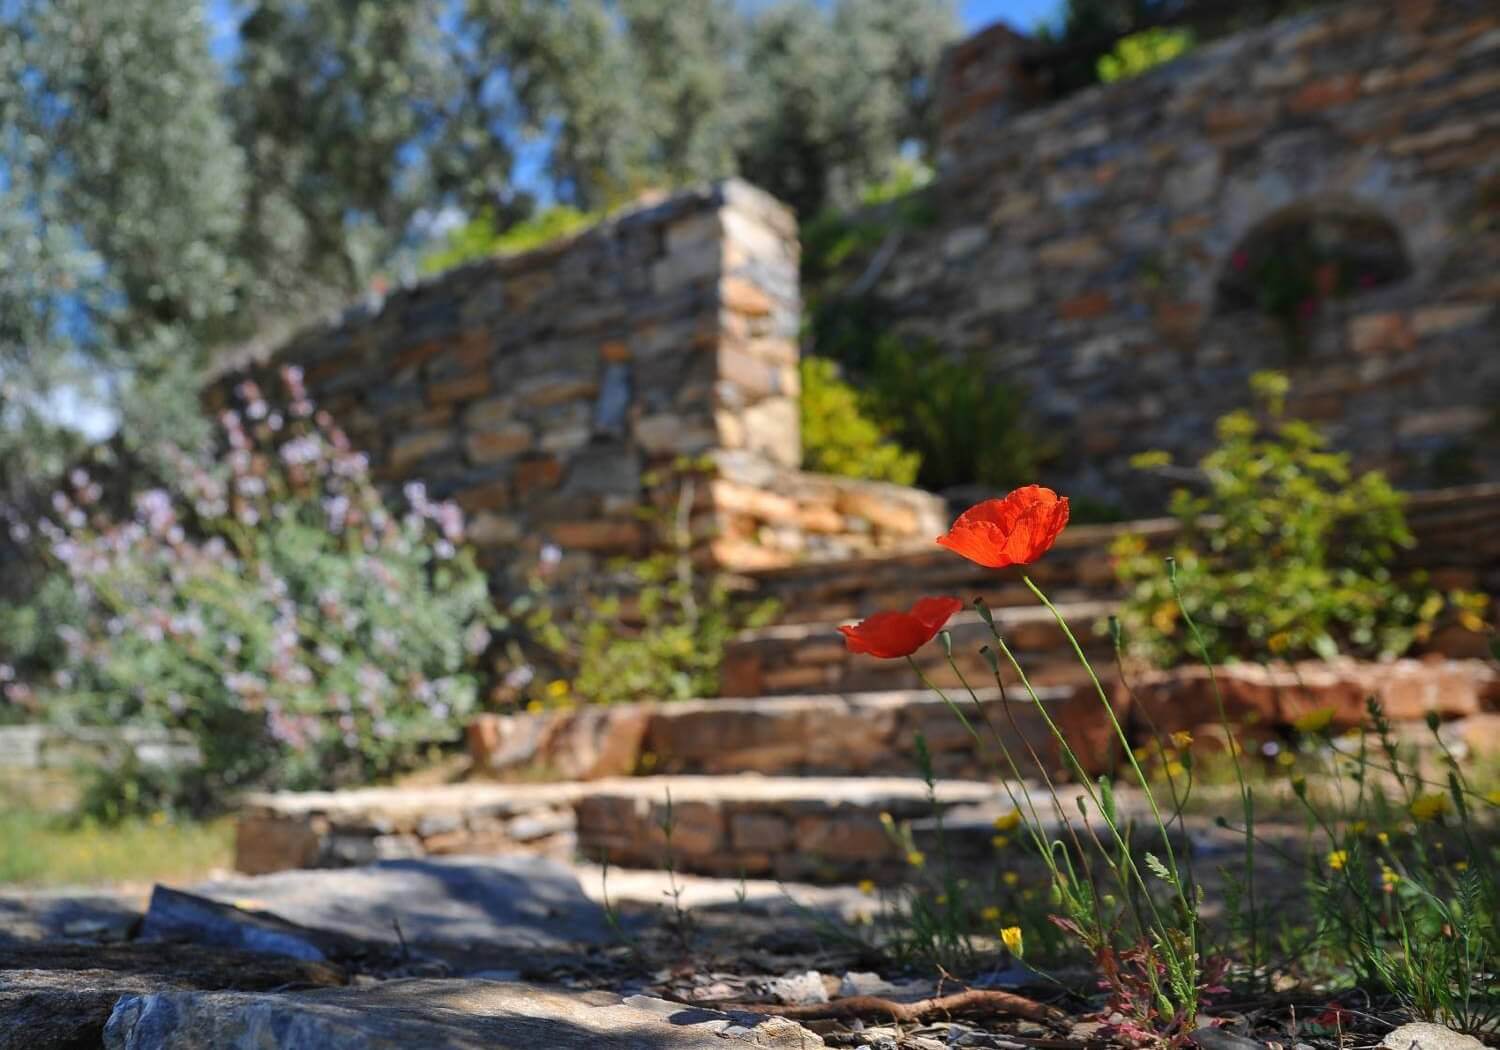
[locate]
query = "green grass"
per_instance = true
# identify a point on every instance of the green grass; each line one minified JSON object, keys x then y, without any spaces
{"x":41,"y":849}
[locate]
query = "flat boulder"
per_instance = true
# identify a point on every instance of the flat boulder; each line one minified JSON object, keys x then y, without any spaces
{"x":51,"y":916}
{"x":435,"y":1015}
{"x":476,"y":912}
{"x":58,"y":996}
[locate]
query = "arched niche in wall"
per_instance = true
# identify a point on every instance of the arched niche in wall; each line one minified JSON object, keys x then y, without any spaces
{"x":1297,"y":263}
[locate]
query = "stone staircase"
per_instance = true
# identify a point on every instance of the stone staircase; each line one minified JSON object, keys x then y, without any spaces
{"x":806,"y":765}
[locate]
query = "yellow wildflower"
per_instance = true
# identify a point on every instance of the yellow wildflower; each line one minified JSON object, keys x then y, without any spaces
{"x":1471,"y":621}
{"x":1428,"y":807}
{"x":1337,"y":859}
{"x":916,"y":858}
{"x":1011,"y":935}
{"x":1141,"y":753}
{"x":1175,"y":769}
{"x":990,"y":914}
{"x":557,"y":688}
{"x":1285,"y":758}
{"x":1359,"y":827}
{"x":1460,"y":865}
{"x":1182,"y":738}
{"x":1008,"y":821}
{"x":1164,"y":619}
{"x":867,"y":887}
{"x":1389,"y":878}
{"x":533,"y":706}
{"x":1000,"y":841}
{"x":1493,"y":798}
{"x":1314,"y":721}
{"x":1278,"y":642}
{"x":1010,"y":878}
{"x":1383,"y":838}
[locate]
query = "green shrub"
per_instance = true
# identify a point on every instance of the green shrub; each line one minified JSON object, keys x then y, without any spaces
{"x":481,"y":237}
{"x":841,"y":436}
{"x":1139,"y":52}
{"x":1286,"y":554}
{"x":966,"y":427}
{"x":657,"y":631}
{"x":962,"y":426}
{"x":273,"y":608}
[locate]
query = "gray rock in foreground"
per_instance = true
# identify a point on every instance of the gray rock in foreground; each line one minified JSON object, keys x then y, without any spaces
{"x":514,"y":903}
{"x":48,"y":915}
{"x":57,"y":996}
{"x":434,"y":1015}
{"x":1423,"y":1035}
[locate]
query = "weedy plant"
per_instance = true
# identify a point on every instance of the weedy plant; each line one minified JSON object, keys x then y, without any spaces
{"x":1402,"y":926}
{"x":1402,"y":879}
{"x":658,"y":634}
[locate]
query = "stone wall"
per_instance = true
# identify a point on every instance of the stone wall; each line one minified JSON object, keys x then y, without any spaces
{"x":1081,"y":247}
{"x":556,"y":393}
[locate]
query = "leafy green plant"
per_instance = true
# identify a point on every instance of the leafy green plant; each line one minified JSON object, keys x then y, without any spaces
{"x":657,"y":631}
{"x":271,"y":607}
{"x":1140,"y":52}
{"x":841,"y":436}
{"x":966,"y":428}
{"x":482,"y":237}
{"x":1284,"y":554}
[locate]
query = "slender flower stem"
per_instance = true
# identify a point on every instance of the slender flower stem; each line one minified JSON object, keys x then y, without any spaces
{"x":1083,"y":778}
{"x":1034,"y":824}
{"x":1247,"y":798}
{"x":1187,"y":969}
{"x":1158,"y":927}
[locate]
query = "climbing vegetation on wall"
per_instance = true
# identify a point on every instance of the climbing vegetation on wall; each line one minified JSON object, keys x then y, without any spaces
{"x":1139,"y":52}
{"x":482,"y":236}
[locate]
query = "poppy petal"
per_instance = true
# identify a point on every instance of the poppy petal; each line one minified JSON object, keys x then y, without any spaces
{"x":1015,"y":530}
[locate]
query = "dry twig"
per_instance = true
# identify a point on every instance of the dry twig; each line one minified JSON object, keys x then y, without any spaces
{"x":974,"y":1001}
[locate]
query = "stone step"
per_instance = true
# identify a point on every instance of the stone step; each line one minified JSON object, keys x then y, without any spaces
{"x":856,"y":734}
{"x":804,"y":657}
{"x":810,"y":829}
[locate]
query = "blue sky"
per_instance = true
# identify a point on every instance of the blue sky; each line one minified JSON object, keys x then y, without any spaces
{"x":1021,"y":14}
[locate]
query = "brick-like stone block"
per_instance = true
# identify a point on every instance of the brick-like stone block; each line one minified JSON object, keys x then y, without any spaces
{"x":759,"y":831}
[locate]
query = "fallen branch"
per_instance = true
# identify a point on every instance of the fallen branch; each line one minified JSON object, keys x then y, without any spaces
{"x":974,"y":1001}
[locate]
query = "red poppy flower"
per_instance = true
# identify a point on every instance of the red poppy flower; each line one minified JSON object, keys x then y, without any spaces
{"x":1016,"y":530}
{"x":889,"y":635}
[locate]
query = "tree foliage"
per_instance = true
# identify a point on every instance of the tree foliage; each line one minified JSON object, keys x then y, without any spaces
{"x":171,"y":187}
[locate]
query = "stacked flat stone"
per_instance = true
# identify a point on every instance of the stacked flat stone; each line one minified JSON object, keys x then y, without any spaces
{"x":557,"y":394}
{"x":1078,"y":244}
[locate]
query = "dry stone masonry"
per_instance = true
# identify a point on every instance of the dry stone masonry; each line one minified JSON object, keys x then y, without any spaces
{"x":556,"y":393}
{"x":1086,"y":248}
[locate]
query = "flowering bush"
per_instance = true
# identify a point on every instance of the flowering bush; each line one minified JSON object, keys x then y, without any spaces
{"x":273,"y":608}
{"x":1286,"y":554}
